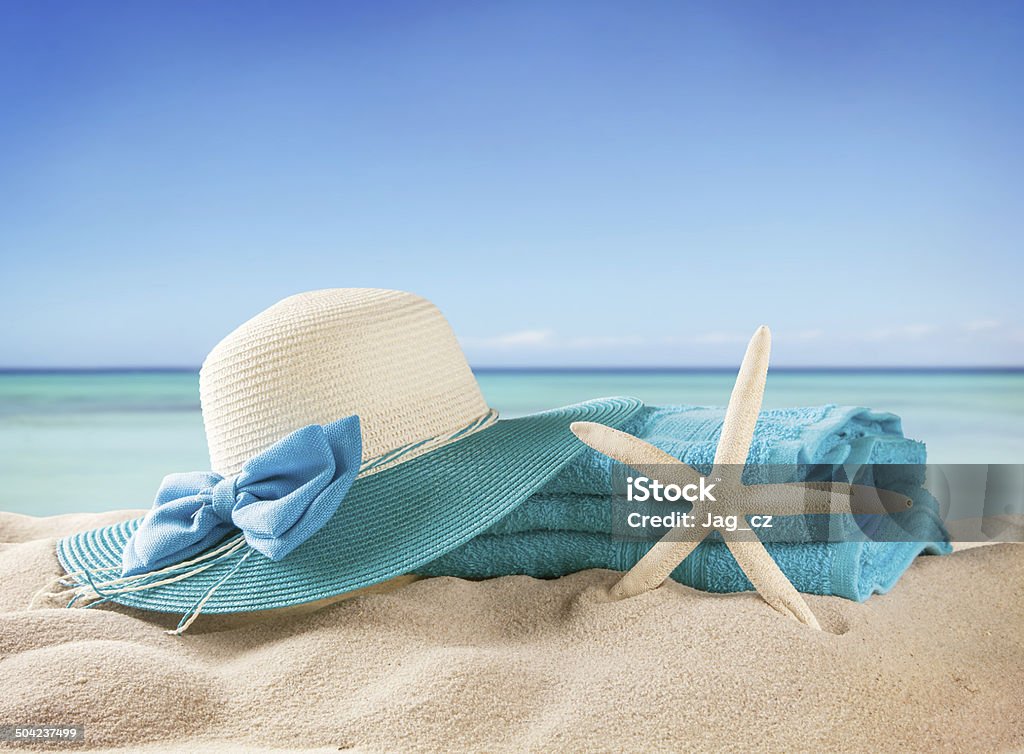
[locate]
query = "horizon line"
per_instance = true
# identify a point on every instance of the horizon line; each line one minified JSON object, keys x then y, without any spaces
{"x":605,"y":369}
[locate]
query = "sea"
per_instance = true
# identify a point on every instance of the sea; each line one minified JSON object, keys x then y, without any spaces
{"x":75,"y":441}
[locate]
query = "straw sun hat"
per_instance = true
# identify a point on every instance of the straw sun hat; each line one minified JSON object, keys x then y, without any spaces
{"x":349,"y":444}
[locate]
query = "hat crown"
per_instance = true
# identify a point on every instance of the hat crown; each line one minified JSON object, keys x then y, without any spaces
{"x":389,"y":357}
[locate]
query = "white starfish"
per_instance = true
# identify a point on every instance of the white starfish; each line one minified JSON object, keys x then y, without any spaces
{"x":757,"y":499}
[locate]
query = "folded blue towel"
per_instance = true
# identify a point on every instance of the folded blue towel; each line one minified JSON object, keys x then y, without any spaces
{"x":566,"y":526}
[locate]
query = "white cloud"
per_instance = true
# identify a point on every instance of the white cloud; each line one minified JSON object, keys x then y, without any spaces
{"x":887,"y":344}
{"x":806,"y":335}
{"x":715,"y":338}
{"x":605,"y":341}
{"x":549,"y":339}
{"x":917,"y":331}
{"x":518,"y":339}
{"x":982,"y":325}
{"x":900,"y":332}
{"x":531,"y":339}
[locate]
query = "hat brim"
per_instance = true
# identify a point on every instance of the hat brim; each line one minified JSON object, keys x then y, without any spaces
{"x":389,"y":523}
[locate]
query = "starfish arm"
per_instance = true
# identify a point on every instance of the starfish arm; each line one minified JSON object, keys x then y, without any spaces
{"x":635,"y":453}
{"x":817,"y":497}
{"x":653,"y":568}
{"x":744,"y":406}
{"x":768,"y":579}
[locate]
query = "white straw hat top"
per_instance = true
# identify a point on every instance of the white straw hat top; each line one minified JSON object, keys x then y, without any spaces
{"x":316,"y":357}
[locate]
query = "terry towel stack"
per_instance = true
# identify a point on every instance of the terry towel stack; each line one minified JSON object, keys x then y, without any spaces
{"x":567,"y":526}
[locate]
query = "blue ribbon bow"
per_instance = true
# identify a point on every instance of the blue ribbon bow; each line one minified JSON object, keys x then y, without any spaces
{"x":279,"y":499}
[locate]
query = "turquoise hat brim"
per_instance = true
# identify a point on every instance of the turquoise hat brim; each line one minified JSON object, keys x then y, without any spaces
{"x":389,"y":523}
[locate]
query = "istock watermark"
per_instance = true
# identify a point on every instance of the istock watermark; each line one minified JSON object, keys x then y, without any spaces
{"x":640,"y":489}
{"x":800,"y":503}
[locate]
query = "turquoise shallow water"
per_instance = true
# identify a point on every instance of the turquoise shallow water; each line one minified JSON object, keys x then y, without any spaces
{"x":96,"y":441}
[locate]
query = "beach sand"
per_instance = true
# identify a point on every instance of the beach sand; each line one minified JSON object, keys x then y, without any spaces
{"x":522,"y":664}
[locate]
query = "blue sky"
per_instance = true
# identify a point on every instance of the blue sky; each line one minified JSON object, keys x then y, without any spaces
{"x":572,"y":183}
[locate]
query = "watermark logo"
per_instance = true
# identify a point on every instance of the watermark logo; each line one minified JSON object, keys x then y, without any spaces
{"x":651,"y":492}
{"x":848,"y":502}
{"x":640,"y":489}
